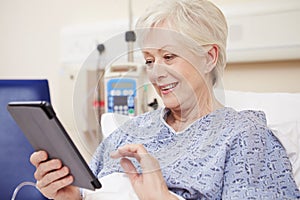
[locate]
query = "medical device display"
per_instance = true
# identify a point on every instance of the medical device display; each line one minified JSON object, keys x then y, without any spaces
{"x":125,"y":89}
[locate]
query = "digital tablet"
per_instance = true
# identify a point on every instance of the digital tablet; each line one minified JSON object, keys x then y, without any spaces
{"x":44,"y":131}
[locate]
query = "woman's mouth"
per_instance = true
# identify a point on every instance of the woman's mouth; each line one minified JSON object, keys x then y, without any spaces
{"x":165,"y":89}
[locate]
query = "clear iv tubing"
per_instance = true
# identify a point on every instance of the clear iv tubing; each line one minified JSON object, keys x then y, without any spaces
{"x":20,"y":186}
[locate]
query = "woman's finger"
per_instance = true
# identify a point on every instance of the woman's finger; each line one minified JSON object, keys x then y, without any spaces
{"x":151,"y":176}
{"x":53,"y":176}
{"x":130,"y":150}
{"x":138,"y":151}
{"x":130,"y":170}
{"x":46,"y":167}
{"x":37,"y":157}
{"x":51,"y":190}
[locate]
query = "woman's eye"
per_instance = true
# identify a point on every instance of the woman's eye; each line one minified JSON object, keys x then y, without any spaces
{"x":149,"y":62}
{"x":169,"y":57}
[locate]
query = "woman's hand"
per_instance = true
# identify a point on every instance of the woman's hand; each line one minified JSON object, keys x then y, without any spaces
{"x":53,"y":179}
{"x":150,"y":185}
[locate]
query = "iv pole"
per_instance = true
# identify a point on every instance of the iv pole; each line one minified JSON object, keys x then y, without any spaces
{"x":130,"y":36}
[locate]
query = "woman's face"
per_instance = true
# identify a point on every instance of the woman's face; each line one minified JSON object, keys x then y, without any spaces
{"x":181,"y":84}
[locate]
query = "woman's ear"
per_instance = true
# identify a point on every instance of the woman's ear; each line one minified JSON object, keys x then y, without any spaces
{"x":212,"y":58}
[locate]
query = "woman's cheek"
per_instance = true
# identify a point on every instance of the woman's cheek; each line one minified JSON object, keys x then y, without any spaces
{"x":151,"y":76}
{"x":156,"y":88}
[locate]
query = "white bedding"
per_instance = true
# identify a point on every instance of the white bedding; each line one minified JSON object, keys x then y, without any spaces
{"x":114,"y":186}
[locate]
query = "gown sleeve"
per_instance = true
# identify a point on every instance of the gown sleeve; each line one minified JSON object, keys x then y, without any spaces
{"x":257,"y":167}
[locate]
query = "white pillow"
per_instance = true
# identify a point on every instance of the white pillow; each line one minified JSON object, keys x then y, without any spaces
{"x":279,"y":107}
{"x":288,"y":134}
{"x":111,"y":121}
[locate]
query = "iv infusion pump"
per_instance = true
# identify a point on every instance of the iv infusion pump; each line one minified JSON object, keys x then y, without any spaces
{"x":125,"y":90}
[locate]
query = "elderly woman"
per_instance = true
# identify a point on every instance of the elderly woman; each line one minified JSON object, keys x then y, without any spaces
{"x":194,"y":147}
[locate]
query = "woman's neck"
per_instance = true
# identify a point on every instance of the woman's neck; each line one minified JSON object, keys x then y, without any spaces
{"x":179,"y":119}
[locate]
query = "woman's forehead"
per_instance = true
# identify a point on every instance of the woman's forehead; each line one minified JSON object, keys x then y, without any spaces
{"x":161,"y":41}
{"x":159,"y":38}
{"x":158,"y":41}
{"x":165,"y":48}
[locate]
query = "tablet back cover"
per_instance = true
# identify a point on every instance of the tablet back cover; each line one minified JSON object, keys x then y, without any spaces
{"x":44,"y":131}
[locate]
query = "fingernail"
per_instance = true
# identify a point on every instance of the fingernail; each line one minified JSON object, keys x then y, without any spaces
{"x":113,"y":154}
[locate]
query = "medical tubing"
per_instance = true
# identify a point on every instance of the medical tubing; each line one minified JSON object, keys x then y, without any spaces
{"x":18,"y":188}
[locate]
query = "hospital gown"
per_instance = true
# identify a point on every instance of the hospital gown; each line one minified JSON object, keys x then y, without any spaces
{"x":223,"y":155}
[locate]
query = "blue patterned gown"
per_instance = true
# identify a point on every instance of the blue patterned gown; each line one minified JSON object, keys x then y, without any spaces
{"x":223,"y":155}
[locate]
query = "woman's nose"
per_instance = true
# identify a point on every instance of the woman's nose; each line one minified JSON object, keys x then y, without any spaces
{"x":158,"y":71}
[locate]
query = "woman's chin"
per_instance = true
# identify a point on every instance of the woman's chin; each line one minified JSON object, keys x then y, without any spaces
{"x":171,"y":104}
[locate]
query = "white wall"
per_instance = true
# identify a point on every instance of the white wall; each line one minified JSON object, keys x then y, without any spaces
{"x":30,"y":33}
{"x":30,"y":40}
